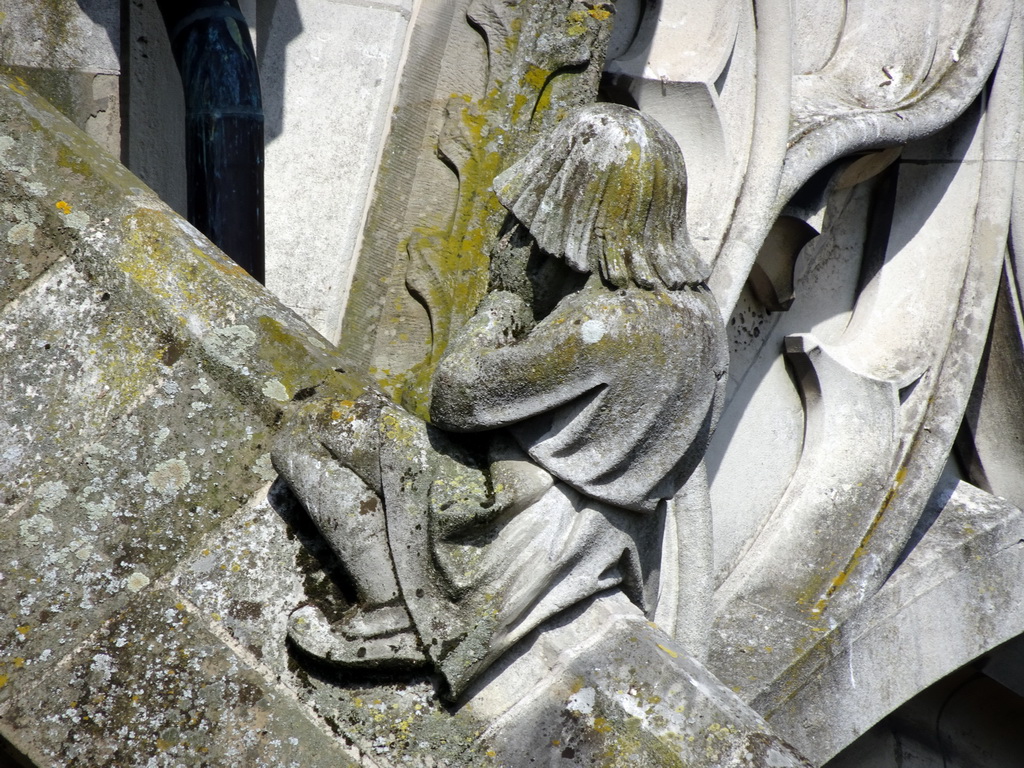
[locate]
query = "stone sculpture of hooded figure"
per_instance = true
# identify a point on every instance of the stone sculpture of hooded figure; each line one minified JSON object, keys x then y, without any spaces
{"x":600,"y":406}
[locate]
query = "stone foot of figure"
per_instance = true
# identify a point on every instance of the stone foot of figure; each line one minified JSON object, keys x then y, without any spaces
{"x":379,"y":639}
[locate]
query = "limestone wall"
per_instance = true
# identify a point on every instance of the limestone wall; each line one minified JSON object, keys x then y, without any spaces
{"x":327,"y":71}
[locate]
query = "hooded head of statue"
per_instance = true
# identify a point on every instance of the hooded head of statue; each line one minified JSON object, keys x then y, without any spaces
{"x":606,"y":191}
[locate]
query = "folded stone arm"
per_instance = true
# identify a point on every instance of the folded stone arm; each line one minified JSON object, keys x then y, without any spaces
{"x":498,"y":371}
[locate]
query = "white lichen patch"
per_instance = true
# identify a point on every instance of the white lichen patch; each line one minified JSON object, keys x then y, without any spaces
{"x":95,"y":455}
{"x":98,"y":510}
{"x":582,"y":701}
{"x":264,"y":469}
{"x":232,"y":343}
{"x":169,"y":476}
{"x":592,"y":331}
{"x":136,"y":582}
{"x":631,"y":704}
{"x":23,"y":232}
{"x":162,"y":434}
{"x":34,"y":528}
{"x":51,"y":494}
{"x":275,"y":390}
{"x":101,"y":669}
{"x":76,"y":220}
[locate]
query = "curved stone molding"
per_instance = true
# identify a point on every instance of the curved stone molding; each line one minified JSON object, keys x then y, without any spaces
{"x":933,"y":81}
{"x":851,"y":432}
{"x":920,"y":330}
{"x":906,"y":637}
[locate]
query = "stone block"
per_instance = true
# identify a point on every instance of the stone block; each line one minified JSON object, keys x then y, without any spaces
{"x":324,"y":123}
{"x":115,"y":510}
{"x":71,"y":359}
{"x":70,"y":53}
{"x":249,"y":575}
{"x":154,"y":687}
{"x":603,"y":686}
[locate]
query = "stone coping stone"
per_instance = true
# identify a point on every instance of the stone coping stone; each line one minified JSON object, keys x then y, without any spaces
{"x":154,"y":687}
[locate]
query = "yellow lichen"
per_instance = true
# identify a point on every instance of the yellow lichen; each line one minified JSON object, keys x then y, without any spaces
{"x":447,"y":269}
{"x":536,"y":77}
{"x":862,"y":549}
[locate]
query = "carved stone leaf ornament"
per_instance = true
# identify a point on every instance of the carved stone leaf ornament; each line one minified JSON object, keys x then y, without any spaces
{"x":749,"y":149}
{"x":882,"y":84}
{"x":885,"y":396}
{"x":832,"y":81}
{"x":544,"y":59}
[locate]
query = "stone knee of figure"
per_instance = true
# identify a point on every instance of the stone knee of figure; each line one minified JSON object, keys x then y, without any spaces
{"x":329,"y":457}
{"x":512,"y":482}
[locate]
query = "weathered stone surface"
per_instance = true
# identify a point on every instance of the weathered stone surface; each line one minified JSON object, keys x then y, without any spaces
{"x":134,"y":487}
{"x":163,"y":268}
{"x":249,"y":574}
{"x":155,"y":687}
{"x":426,"y":276}
{"x":28,"y":249}
{"x":148,"y":575}
{"x":955,"y":597}
{"x":66,"y":344}
{"x":138,"y":390}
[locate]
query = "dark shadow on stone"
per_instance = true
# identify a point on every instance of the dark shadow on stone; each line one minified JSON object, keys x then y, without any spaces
{"x":107,"y":15}
{"x":940,"y":496}
{"x":324,"y":578}
{"x":277,"y":24}
{"x":12,"y":757}
{"x":314,"y":673}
